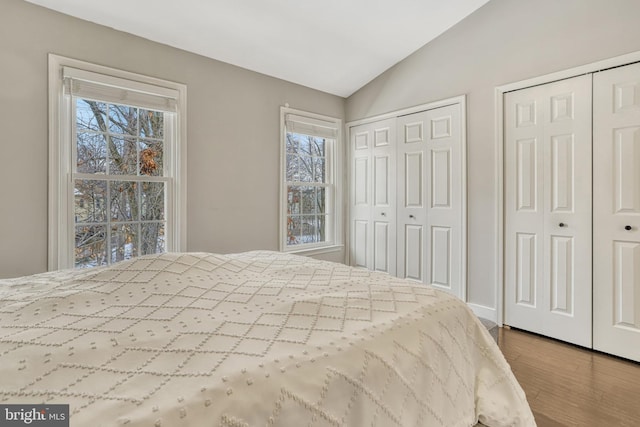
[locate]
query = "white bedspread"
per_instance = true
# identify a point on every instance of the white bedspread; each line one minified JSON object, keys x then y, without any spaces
{"x":259,"y":338}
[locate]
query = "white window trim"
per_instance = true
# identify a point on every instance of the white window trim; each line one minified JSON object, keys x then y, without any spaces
{"x":60,"y":161}
{"x":336,"y":243}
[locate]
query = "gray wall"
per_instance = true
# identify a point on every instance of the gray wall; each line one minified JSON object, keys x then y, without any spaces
{"x":233,"y":133}
{"x":503,"y":42}
{"x":233,"y":114}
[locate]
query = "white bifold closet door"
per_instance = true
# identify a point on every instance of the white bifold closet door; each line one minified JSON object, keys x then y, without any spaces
{"x":616,"y":236}
{"x":430,"y":211}
{"x":407,"y":194}
{"x":548,"y":224}
{"x":373,"y":205}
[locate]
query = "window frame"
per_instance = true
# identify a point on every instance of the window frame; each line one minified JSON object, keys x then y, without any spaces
{"x":334,"y":209}
{"x":61,"y":224}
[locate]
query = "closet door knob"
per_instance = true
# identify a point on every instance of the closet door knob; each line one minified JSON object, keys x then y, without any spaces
{"x":411,"y":216}
{"x":383,"y":214}
{"x":627,"y":227}
{"x":562,"y":224}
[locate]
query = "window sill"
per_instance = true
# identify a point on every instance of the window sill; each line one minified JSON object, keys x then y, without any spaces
{"x":315,"y":251}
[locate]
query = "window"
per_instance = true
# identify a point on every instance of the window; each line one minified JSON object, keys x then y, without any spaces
{"x":116,"y":184}
{"x":310,"y":192}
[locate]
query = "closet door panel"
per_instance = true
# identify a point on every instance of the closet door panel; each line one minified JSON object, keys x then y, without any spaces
{"x":381,"y":190}
{"x":383,"y":157}
{"x":445,"y":205}
{"x":411,"y":207}
{"x":372,"y":207}
{"x":381,"y":251}
{"x":626,"y":174}
{"x":562,"y":269}
{"x":524,"y":210}
{"x":441,"y":178}
{"x":413,"y":131}
{"x":616,"y":236}
{"x":359,"y":243}
{"x":406,"y":197}
{"x":361,"y":136}
{"x":526,"y":175}
{"x":440,"y":261}
{"x":361,"y":143}
{"x":626,"y":257}
{"x":413,"y":252}
{"x":430,"y":195}
{"x":413,"y":180}
{"x":568,"y":206}
{"x":411,"y":192}
{"x":361,"y":181}
{"x":547,"y":226}
{"x":383,"y":209}
{"x":562,"y":173}
{"x":526,"y":269}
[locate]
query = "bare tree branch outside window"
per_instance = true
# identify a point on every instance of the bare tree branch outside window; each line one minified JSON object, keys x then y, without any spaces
{"x":118,"y":214}
{"x":307,"y":188}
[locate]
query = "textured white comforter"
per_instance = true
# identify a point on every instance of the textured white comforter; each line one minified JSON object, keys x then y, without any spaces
{"x":259,"y":338}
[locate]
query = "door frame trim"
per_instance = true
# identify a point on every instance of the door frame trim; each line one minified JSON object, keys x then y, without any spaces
{"x":460,"y":100}
{"x":499,"y":92}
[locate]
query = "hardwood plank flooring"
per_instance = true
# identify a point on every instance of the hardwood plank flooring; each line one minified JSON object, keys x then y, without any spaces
{"x":572,"y":386}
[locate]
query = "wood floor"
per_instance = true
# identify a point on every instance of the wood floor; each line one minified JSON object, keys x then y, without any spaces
{"x":571,"y":386}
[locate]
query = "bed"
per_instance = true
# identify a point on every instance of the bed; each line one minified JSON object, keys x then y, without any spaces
{"x":253,"y":339}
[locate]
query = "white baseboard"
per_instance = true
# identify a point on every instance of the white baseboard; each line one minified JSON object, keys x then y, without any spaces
{"x":484,"y":312}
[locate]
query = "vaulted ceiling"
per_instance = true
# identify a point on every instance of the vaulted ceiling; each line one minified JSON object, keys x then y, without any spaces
{"x":336,"y":46}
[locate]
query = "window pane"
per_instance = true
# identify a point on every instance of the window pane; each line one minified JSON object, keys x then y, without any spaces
{"x":124,"y":242}
{"x":304,"y":144}
{"x":90,"y":249}
{"x":90,"y":201}
{"x":306,"y":169}
{"x":153,"y":240}
{"x":319,"y":174}
{"x":151,"y":124}
{"x":152,"y":201}
{"x":292,"y":143}
{"x":317,"y":147}
{"x":293,"y":168}
{"x":118,"y":203}
{"x":91,"y":115}
{"x":306,"y":160}
{"x":293,"y":200}
{"x":91,"y":153}
{"x":124,"y":200}
{"x":123,"y":156}
{"x":308,"y":200}
{"x":321,"y":206}
{"x":123,"y":120}
{"x":322,"y":231}
{"x":309,"y":229}
{"x":293,"y":230}
{"x":310,"y":226}
{"x":150,"y":158}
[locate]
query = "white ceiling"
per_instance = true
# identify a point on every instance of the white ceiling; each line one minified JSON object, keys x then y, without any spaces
{"x":335,"y":46}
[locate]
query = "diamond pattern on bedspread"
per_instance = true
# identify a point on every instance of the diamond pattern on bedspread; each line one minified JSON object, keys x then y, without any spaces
{"x":175,"y":338}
